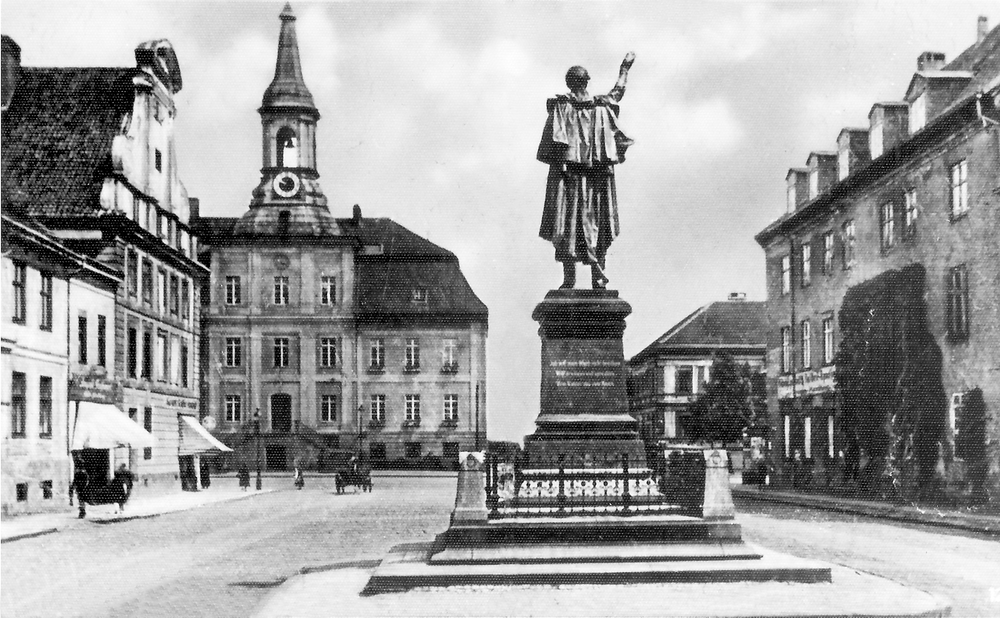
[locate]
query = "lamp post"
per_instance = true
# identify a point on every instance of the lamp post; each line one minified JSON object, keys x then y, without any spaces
{"x":361,"y":431}
{"x":256,"y":429}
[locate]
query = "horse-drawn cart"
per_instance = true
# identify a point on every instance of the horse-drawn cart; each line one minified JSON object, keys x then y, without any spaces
{"x":349,"y":470}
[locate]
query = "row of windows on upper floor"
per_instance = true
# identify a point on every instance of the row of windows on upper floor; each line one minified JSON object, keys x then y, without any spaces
{"x":169,"y":292}
{"x":281,"y":291}
{"x":329,"y":353}
{"x":162,"y":224}
{"x":897,"y":222}
{"x":329,"y":404}
{"x":957,"y":325}
{"x":165,"y":359}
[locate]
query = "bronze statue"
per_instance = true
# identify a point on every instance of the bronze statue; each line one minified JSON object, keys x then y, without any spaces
{"x":582,"y":143}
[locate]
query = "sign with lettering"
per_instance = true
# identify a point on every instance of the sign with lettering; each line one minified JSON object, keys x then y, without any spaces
{"x":582,"y":377}
{"x":191,"y":404}
{"x":805,"y":383}
{"x":95,"y":389}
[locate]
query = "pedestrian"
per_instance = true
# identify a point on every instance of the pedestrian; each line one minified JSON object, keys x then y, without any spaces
{"x":123,"y":481}
{"x":206,"y":473}
{"x":81,"y":481}
{"x":244,"y":476}
{"x":298,"y":478}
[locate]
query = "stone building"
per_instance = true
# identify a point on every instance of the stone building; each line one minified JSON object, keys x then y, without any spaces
{"x":670,"y":373}
{"x":904,"y":218}
{"x":89,"y":156}
{"x":325,"y":333}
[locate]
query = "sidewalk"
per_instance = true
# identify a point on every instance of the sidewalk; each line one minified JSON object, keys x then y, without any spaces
{"x":927,"y":515}
{"x":27,"y":526}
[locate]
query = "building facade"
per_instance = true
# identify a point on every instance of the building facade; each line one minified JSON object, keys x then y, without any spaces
{"x":670,"y":373}
{"x":325,"y":333}
{"x":89,"y":154}
{"x":900,"y":226}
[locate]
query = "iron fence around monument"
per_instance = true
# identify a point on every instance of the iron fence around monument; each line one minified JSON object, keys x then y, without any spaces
{"x":569,"y":485}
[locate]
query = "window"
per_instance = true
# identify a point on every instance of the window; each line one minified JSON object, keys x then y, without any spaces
{"x":413,"y":409}
{"x":46,"y":490}
{"x":18,"y":405}
{"x":684,"y":380}
{"x":419,"y":296}
{"x":45,"y":320}
{"x":843,"y":162}
{"x":328,"y":406}
{"x":164,"y":291}
{"x":887,"y":219}
{"x":81,"y":334}
{"x":786,"y":349}
{"x":281,"y":349}
{"x":287,"y":150}
{"x":807,"y":436}
{"x":449,"y":355}
{"x":234,"y":290}
{"x":959,"y":189}
{"x":163,"y":353}
{"x":918,"y":113}
{"x":957,"y":309}
{"x":449,"y":452}
{"x":45,"y":407}
{"x":788,"y":434}
{"x":132,"y":353}
{"x":786,"y":274}
{"x":186,"y":300}
{"x":234,"y":408}
{"x":806,"y":344}
{"x":451,"y":408}
{"x":376,"y":357}
{"x":184,"y":365}
{"x":281,"y":290}
{"x":147,"y":355}
{"x":158,"y":159}
{"x":847,"y":235}
{"x":910,"y":214}
{"x":136,"y":209}
{"x":22,"y":492}
{"x":147,"y":424}
{"x":328,"y":291}
{"x":413,"y":450}
{"x":875,"y":140}
{"x":790,"y":198}
{"x":175,"y":288}
{"x":147,"y":281}
{"x":20,"y":292}
{"x":813,"y":183}
{"x":329,"y":351}
{"x":234,"y":352}
{"x":412,"y":355}
{"x":102,"y":340}
{"x":828,"y":253}
{"x":806,"y":255}
{"x":377,"y":408}
{"x":827,"y":341}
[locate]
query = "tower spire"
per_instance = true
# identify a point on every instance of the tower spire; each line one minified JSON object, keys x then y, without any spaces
{"x":288,"y":88}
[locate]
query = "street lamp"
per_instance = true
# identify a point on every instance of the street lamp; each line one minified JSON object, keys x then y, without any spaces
{"x":256,"y":430}
{"x":361,"y":430}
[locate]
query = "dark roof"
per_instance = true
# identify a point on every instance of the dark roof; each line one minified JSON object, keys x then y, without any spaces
{"x":396,"y":241}
{"x":982,"y":60}
{"x":57,"y":136}
{"x":729,"y":324}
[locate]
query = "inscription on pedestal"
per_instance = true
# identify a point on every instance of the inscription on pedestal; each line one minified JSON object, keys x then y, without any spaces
{"x":582,"y":377}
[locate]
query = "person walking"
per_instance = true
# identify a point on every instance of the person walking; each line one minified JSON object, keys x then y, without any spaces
{"x":244,"y":476}
{"x":299,"y":480}
{"x":123,"y":481}
{"x":81,"y":481}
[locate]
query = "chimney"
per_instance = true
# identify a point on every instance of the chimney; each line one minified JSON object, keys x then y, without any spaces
{"x":890,"y":125}
{"x":737,"y":296}
{"x":852,"y":151}
{"x":11,"y":69}
{"x":194,"y":209}
{"x":982,"y":29}
{"x":797,"y":188}
{"x":356,"y":215}
{"x":930,"y":61}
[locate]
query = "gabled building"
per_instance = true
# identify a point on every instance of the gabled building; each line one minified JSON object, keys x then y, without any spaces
{"x":325,"y":333}
{"x":89,"y":156}
{"x":884,"y":292}
{"x":670,"y":373}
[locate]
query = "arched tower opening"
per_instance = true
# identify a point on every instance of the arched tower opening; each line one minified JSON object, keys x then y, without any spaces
{"x":287,"y":147}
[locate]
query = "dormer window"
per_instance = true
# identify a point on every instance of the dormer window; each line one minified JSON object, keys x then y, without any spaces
{"x":918,"y":113}
{"x":419,"y":296}
{"x":843,"y":161}
{"x":288,"y":148}
{"x":790,"y":196}
{"x":813,"y":182}
{"x":875,"y":140}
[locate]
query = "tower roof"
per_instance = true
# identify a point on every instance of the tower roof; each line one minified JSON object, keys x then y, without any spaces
{"x":288,"y":89}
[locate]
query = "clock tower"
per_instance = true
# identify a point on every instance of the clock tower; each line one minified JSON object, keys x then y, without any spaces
{"x":288,"y":200}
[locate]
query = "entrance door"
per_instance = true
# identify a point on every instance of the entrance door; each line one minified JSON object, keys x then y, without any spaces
{"x":276,"y":457}
{"x":281,"y":413}
{"x":97,"y":463}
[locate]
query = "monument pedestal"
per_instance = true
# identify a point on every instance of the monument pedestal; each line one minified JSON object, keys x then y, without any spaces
{"x":583,"y":406}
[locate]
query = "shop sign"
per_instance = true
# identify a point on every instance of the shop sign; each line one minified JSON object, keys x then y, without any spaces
{"x":191,"y":404}
{"x":811,"y":382}
{"x":95,"y":389}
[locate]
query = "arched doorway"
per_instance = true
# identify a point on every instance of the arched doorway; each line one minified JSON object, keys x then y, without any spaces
{"x":281,"y":413}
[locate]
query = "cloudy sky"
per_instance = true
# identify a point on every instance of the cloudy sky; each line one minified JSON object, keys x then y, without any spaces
{"x":432,"y":112}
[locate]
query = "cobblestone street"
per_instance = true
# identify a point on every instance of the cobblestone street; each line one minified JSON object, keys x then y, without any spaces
{"x":225,"y":559}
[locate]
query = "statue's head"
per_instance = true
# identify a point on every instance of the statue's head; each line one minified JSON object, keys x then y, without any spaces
{"x":577,"y":78}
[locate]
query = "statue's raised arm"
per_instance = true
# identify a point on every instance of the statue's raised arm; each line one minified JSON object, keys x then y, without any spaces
{"x":619,"y":90}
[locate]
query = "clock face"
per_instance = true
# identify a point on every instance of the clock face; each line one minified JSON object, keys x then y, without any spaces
{"x":286,"y":184}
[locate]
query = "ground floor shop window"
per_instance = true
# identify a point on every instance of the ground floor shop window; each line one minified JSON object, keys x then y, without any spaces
{"x":377,"y":451}
{"x":449,"y":451}
{"x":412,"y":450}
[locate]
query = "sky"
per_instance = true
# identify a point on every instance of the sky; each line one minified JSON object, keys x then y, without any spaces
{"x":432,"y":112}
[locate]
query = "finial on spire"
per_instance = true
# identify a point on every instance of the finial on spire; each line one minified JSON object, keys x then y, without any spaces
{"x":288,"y":88}
{"x":287,"y":12}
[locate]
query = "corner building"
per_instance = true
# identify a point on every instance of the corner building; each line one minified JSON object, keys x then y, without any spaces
{"x":914,"y":198}
{"x":326,"y":333}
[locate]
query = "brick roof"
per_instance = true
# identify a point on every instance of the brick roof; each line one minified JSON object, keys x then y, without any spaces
{"x":57,"y":136}
{"x":729,"y":324}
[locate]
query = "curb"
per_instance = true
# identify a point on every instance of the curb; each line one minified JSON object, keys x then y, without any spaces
{"x":875,"y":511}
{"x":28,"y":535}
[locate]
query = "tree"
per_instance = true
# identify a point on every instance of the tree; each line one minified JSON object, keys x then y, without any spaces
{"x":733,"y":400}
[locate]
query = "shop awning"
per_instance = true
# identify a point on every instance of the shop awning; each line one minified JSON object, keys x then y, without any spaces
{"x":195,"y":439}
{"x":102,"y":425}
